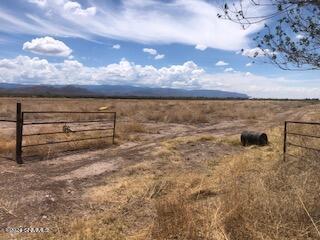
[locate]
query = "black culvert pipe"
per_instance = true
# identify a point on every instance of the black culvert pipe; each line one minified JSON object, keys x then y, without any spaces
{"x":253,"y":138}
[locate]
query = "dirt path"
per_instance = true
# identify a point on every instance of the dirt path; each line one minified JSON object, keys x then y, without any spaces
{"x":35,"y":190}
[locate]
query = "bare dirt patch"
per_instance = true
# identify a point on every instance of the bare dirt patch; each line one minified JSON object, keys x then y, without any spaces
{"x":88,"y":171}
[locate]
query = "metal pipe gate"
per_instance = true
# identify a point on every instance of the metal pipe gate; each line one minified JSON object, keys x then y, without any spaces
{"x":20,"y":123}
{"x":288,"y":133}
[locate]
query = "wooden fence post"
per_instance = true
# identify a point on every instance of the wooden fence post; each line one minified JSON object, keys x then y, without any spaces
{"x":19,"y":126}
{"x":285,"y":141}
{"x":114,"y":127}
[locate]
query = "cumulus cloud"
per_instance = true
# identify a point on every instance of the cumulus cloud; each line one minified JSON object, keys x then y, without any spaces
{"x":201,"y":47}
{"x":188,"y":75}
{"x":116,"y":46}
{"x":47,"y":46}
{"x":76,"y":9}
{"x":256,"y":52}
{"x":229,"y":69}
{"x":249,"y":64}
{"x":154,"y":53}
{"x":221,"y":63}
{"x":159,"y":56}
{"x":7,"y":64}
{"x":150,"y":51}
{"x":165,"y":22}
{"x":24,"y":69}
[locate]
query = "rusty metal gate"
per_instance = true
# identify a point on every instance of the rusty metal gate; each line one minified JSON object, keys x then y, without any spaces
{"x":301,"y":135}
{"x":102,"y":126}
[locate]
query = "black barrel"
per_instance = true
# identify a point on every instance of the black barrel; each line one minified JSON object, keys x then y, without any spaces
{"x":253,"y":138}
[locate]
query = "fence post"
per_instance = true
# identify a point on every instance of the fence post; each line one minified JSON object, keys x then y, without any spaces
{"x":285,"y":141}
{"x":114,"y":126}
{"x":19,"y":126}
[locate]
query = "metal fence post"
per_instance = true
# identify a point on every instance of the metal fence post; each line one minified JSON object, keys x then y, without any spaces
{"x":285,"y":141}
{"x":114,"y":127}
{"x":19,"y":126}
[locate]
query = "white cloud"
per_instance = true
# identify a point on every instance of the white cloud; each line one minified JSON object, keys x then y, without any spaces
{"x":154,"y":53}
{"x":262,"y":87}
{"x":181,"y":21}
{"x":7,"y":64}
{"x":201,"y":47}
{"x":23,"y":69}
{"x":188,"y":75}
{"x":47,"y":46}
{"x":159,"y":56}
{"x":299,"y":36}
{"x":40,"y":3}
{"x":249,"y":64}
{"x":229,"y":69}
{"x":76,"y":9}
{"x":221,"y":63}
{"x":116,"y":46}
{"x":150,"y":51}
{"x":256,"y":52}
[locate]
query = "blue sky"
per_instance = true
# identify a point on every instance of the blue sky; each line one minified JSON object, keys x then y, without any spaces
{"x":172,"y":43}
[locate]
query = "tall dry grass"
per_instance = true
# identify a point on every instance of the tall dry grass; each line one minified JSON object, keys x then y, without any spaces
{"x":250,"y":195}
{"x":7,"y":140}
{"x":172,"y":111}
{"x":266,"y":198}
{"x":7,"y":147}
{"x":132,"y":116}
{"x":260,"y":197}
{"x":182,"y":217}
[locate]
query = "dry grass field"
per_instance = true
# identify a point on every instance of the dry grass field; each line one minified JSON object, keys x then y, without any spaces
{"x":177,"y":171}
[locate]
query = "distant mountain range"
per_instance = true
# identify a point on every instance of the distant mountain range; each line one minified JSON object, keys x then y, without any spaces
{"x":114,"y":91}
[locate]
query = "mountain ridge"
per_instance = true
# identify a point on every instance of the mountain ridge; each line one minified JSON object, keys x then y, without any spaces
{"x":112,"y":91}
